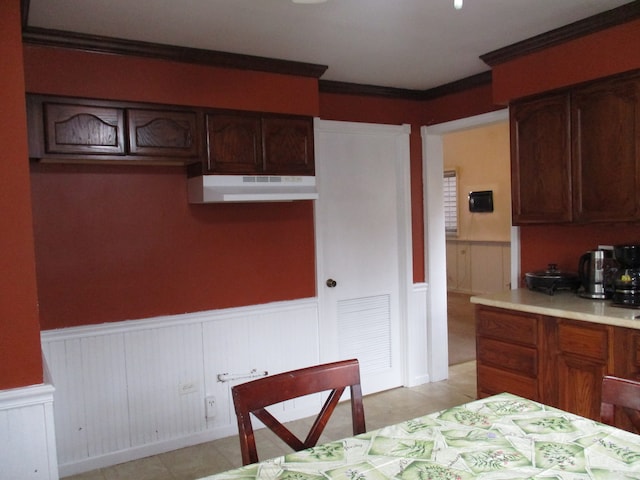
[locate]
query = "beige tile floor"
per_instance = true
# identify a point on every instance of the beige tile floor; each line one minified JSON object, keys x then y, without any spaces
{"x":381,"y":409}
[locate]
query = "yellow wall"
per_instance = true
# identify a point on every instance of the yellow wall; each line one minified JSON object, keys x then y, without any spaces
{"x":481,"y":158}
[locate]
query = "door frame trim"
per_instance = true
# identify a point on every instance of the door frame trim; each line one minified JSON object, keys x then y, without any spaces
{"x":404,"y":253}
{"x":435,"y":239}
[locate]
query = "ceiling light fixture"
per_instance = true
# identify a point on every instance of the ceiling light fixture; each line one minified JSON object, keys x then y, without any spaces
{"x":457,"y":4}
{"x":308,"y":1}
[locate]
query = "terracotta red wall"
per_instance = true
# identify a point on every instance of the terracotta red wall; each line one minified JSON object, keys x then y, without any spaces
{"x":354,"y":108}
{"x":587,"y":58}
{"x":84,"y":74}
{"x":118,"y":243}
{"x":601,"y":54}
{"x":20,"y":358}
{"x":121,"y":242}
{"x":542,"y":245}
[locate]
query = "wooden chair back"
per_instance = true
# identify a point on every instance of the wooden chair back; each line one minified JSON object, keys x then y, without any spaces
{"x":620,"y":394}
{"x":252,"y":398}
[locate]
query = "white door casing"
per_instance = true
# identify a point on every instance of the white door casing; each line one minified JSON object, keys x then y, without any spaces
{"x":434,"y":237}
{"x":363,"y":243}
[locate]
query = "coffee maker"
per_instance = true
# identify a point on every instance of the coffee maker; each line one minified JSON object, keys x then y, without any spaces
{"x":626,"y":282}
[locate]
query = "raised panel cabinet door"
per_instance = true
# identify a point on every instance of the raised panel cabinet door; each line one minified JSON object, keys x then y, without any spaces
{"x":163,"y":133}
{"x":288,"y":145}
{"x":606,"y":151}
{"x":627,"y":353}
{"x":234,"y":143}
{"x":579,"y":382}
{"x":541,"y":160}
{"x":83,"y":129}
{"x":582,"y":352}
{"x":627,"y":363}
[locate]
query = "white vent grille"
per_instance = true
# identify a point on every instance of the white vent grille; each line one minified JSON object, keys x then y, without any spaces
{"x":364,"y":330}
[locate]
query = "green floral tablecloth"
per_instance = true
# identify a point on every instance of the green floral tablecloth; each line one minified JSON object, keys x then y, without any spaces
{"x":500,"y":437}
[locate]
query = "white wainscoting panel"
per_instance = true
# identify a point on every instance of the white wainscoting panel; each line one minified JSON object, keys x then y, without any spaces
{"x":131,"y":389}
{"x":478,"y":267}
{"x":27,"y":434}
{"x":105,"y":404}
{"x":91,"y":394}
{"x":417,"y":360}
{"x":164,"y":383}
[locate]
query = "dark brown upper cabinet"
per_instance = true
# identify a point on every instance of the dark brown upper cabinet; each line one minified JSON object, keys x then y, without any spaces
{"x":606,"y":151}
{"x":83,"y":129}
{"x":210,"y":141}
{"x":235,"y":143}
{"x":288,"y":145}
{"x":575,"y":155}
{"x":76,"y":130}
{"x":541,"y":160}
{"x":255,"y":143}
{"x":163,"y":133}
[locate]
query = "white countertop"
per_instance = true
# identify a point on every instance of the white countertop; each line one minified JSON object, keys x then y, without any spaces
{"x":564,"y":305}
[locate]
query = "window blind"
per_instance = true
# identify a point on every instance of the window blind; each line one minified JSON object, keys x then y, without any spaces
{"x":450,"y":202}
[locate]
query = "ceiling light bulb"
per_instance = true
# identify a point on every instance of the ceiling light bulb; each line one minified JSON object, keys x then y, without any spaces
{"x":457,"y":4}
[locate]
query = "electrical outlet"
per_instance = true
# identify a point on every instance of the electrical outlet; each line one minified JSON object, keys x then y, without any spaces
{"x":210,"y":406}
{"x":188,"y":387}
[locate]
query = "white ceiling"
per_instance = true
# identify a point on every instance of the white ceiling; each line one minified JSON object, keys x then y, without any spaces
{"x":414,"y":44}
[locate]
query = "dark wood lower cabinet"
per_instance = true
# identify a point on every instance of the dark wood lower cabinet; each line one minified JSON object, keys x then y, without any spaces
{"x":507,"y":353}
{"x":580,"y":353}
{"x":556,"y":361}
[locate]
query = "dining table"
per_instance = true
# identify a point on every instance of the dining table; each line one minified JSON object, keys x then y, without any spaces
{"x":498,"y":437}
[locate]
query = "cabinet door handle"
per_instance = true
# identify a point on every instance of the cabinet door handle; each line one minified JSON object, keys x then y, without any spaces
{"x":331,"y":283}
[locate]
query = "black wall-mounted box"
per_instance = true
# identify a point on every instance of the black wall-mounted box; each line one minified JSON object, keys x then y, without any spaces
{"x":481,"y":201}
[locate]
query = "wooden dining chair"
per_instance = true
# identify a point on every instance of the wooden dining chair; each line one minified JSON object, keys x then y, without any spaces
{"x":252,"y":398}
{"x":623,"y":394}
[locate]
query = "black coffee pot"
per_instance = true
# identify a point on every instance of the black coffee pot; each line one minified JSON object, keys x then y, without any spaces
{"x":626,"y":282}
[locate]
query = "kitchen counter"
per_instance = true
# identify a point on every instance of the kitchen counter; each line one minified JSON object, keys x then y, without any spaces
{"x":563,"y":305}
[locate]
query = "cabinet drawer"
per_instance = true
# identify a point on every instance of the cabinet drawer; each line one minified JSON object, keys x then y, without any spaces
{"x":506,"y":325}
{"x":523,"y":360}
{"x":585,"y":341}
{"x":492,"y":381}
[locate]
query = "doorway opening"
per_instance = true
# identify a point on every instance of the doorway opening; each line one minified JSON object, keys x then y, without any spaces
{"x":435,"y":238}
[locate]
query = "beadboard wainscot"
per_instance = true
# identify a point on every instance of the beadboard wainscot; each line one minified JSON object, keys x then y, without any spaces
{"x":126,"y":390}
{"x":27,"y":433}
{"x":478,"y":267}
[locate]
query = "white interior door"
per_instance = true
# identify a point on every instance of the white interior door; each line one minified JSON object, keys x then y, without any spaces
{"x":361,"y":227}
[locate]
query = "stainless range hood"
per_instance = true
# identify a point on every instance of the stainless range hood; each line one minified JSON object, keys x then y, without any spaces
{"x":251,"y":188}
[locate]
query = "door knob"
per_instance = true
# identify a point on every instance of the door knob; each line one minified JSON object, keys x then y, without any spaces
{"x":331,"y":283}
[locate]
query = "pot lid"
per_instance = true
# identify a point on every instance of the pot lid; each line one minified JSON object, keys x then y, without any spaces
{"x":552,"y":272}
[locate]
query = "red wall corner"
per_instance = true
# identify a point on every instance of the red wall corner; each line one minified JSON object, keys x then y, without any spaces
{"x":20,"y":354}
